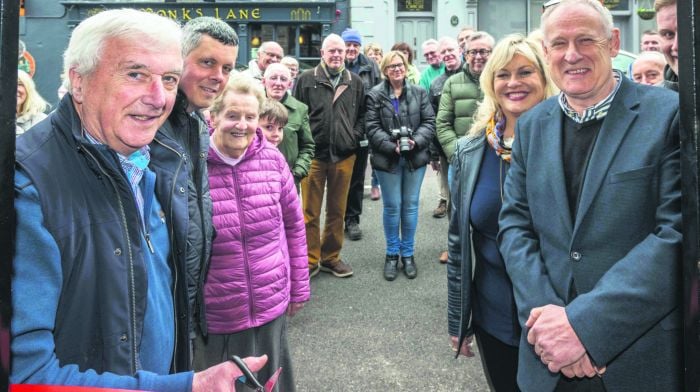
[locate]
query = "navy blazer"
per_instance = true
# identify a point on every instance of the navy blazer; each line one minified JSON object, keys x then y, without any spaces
{"x":621,"y":254}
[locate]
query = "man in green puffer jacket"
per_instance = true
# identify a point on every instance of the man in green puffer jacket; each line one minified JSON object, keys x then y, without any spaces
{"x":461,"y":94}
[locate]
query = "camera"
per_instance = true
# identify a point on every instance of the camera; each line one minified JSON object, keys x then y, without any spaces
{"x":403,"y":135}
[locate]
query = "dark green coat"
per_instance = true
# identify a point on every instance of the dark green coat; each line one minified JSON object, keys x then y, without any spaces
{"x":297,"y":144}
{"x":460,"y":97}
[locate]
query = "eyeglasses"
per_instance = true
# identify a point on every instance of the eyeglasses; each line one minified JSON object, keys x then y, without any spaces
{"x":395,"y":66}
{"x":272,"y":55}
{"x":550,"y":3}
{"x":480,"y":52}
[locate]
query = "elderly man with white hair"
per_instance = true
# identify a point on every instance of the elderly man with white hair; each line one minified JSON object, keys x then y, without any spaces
{"x":336,"y":101}
{"x":100,"y":295}
{"x":297,"y":145}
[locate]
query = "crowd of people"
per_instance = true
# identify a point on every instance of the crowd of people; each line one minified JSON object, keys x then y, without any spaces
{"x":169,"y":207}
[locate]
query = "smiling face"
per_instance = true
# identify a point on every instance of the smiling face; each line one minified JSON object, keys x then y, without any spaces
{"x":449,"y":51}
{"x":395,"y":71}
{"x":432,"y":55}
{"x":518,"y":87}
{"x":235,"y":124}
{"x":668,"y":28}
{"x":579,"y":54}
{"x":333,"y":53}
{"x":130,"y":94}
{"x":477,"y":55}
{"x":206,"y":71}
{"x":270,"y":53}
{"x":375,"y":55}
{"x":277,"y":81}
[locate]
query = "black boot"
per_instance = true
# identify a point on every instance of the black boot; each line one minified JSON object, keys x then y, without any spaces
{"x":409,"y":267}
{"x":390,"y":267}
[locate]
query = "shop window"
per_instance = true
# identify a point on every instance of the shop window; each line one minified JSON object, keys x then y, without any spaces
{"x":300,"y":41}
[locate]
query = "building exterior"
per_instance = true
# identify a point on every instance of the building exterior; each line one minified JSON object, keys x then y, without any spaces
{"x":298,"y":26}
{"x":414,"y":21}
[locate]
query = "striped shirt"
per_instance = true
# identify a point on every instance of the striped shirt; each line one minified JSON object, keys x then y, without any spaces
{"x":595,"y":112}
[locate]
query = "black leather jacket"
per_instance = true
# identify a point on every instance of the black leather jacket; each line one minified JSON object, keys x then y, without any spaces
{"x":89,"y":210}
{"x":414,"y":112}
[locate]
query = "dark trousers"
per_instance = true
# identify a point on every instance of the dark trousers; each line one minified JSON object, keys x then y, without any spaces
{"x":594,"y":384}
{"x":500,"y":362}
{"x":270,"y":339}
{"x":353,"y":209}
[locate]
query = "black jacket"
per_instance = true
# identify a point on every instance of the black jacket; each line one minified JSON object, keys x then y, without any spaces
{"x":367,"y":69}
{"x":89,"y":210}
{"x":435,"y":94}
{"x":336,"y":115}
{"x":190,"y":131}
{"x":414,"y":112}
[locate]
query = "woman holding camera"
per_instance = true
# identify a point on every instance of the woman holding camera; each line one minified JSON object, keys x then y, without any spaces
{"x":400,"y":127}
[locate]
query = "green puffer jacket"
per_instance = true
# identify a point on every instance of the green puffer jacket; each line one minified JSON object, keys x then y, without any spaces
{"x":460,"y":96}
{"x":297,"y":143}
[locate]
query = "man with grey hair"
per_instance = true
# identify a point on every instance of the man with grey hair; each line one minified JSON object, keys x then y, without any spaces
{"x":269,"y":52}
{"x":336,"y":101}
{"x":100,"y":297}
{"x":451,"y":56}
{"x":435,"y":67}
{"x":590,"y":228}
{"x":210,"y":48}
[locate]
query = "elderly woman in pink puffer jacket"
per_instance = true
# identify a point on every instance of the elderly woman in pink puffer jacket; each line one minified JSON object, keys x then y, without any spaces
{"x":258,"y":272}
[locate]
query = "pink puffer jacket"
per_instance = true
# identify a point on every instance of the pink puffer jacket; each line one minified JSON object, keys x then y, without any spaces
{"x":259,"y":258}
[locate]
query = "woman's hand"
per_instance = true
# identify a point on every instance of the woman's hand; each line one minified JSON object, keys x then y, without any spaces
{"x":466,"y":348}
{"x":293,"y":308}
{"x":411,"y":145}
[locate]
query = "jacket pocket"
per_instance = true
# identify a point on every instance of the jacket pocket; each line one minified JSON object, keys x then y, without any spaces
{"x":642,"y":172}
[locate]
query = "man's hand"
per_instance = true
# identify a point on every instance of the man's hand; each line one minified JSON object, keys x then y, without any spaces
{"x":222,"y":377}
{"x":435,"y":165}
{"x":581,"y":368}
{"x":293,"y":308}
{"x":555,"y":341}
{"x":466,"y":348}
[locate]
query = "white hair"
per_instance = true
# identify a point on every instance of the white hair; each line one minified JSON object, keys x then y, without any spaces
{"x":606,"y":18}
{"x":277,"y":67}
{"x":87,"y":40}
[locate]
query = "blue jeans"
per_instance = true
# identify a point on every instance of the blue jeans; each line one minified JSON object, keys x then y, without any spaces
{"x":400,"y":194}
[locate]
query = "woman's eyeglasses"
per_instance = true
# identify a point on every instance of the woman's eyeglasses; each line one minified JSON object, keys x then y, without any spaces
{"x":395,"y":66}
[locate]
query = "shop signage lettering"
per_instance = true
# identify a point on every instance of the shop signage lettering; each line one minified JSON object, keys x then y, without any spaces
{"x":215,"y":12}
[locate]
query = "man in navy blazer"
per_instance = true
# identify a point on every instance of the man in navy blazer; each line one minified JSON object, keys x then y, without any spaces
{"x":590,"y":225}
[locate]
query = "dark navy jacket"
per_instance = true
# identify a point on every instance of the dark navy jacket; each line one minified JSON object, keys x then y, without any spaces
{"x":88,"y":208}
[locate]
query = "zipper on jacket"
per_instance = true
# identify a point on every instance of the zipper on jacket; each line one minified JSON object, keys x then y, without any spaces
{"x":251,"y":302}
{"x":132,"y":283}
{"x":173,"y":252}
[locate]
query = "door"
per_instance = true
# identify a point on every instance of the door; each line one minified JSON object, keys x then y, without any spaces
{"x":414,"y":31}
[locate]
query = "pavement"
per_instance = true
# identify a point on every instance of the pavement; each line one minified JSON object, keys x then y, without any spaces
{"x":364,"y":333}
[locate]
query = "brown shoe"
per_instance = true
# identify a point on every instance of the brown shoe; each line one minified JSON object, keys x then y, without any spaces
{"x":443,"y":257}
{"x":339,"y":269}
{"x":375,"y":193}
{"x":441,"y":210}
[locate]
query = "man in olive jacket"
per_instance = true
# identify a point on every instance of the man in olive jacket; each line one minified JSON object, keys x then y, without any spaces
{"x":461,"y":94}
{"x":335,"y":98}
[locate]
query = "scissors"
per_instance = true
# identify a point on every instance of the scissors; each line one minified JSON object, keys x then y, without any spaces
{"x":249,"y":379}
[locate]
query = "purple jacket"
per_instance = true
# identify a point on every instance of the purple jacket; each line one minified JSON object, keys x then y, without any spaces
{"x":259,"y":258}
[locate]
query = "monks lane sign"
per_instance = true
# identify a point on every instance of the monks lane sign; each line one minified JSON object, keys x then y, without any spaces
{"x":230,"y":12}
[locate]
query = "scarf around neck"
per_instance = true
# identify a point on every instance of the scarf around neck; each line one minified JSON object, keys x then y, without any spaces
{"x":494,"y":135}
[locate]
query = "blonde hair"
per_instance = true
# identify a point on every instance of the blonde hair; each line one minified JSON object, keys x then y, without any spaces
{"x":659,"y":4}
{"x":34,"y":103}
{"x":386,"y":60}
{"x":502,"y":54}
{"x":239,"y":84}
{"x":373,"y":47}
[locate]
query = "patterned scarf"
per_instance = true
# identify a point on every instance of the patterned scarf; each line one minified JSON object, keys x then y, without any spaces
{"x":494,"y":134}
